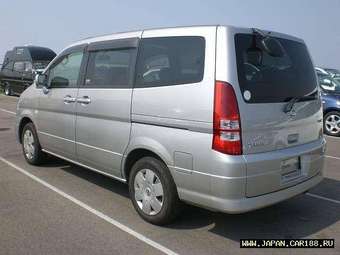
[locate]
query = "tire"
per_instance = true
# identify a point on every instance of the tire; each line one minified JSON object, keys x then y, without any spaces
{"x":160,"y":194}
{"x":331,"y":124}
{"x":8,"y":90}
{"x":30,"y":145}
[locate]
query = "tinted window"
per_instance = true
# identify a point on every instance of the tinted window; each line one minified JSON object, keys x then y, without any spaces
{"x":19,"y":66}
{"x":273,"y":79}
{"x":110,"y":68}
{"x":167,"y":61}
{"x":66,"y":72}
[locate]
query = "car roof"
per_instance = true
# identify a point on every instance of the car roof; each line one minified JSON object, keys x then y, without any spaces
{"x":138,"y":33}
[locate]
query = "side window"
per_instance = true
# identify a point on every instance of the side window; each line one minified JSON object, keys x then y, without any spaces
{"x":165,"y":61}
{"x":65,"y":74}
{"x":110,"y":68}
{"x":19,"y":66}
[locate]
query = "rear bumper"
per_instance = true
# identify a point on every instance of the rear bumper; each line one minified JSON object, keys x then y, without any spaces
{"x":252,"y":181}
{"x":253,"y":203}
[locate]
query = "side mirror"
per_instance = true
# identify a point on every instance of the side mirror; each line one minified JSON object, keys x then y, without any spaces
{"x":326,"y":84}
{"x":41,"y":80}
{"x":273,"y":47}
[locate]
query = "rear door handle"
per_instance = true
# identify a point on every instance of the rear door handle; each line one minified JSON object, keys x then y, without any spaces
{"x":84,"y":100}
{"x":68,"y":99}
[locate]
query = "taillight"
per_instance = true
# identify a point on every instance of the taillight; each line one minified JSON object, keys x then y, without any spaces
{"x":227,"y":124}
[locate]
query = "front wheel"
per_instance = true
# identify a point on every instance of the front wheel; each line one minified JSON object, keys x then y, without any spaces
{"x":153,"y":191}
{"x":31,"y":146}
{"x":332,"y":123}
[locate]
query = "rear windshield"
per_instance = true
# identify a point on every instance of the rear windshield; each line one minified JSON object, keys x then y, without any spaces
{"x":267,"y":79}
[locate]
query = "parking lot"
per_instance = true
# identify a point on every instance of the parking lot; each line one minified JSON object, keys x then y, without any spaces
{"x":60,"y":208}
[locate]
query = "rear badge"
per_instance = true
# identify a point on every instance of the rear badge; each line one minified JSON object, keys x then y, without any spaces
{"x":247,"y":95}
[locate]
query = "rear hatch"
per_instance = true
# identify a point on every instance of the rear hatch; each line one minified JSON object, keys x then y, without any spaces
{"x":280,"y":108}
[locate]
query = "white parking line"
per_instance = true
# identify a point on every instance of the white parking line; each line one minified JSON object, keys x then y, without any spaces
{"x":92,"y":210}
{"x":323,"y":198}
{"x":4,"y":110}
{"x":333,"y":157}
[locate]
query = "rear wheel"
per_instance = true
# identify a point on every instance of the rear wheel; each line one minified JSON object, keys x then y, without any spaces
{"x":332,"y":123}
{"x":8,"y":90}
{"x":153,"y":191}
{"x":31,"y":146}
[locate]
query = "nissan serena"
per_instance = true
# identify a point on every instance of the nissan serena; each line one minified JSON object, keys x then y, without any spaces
{"x":225,"y":118}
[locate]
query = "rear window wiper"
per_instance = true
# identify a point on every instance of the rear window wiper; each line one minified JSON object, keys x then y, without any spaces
{"x":289,"y":106}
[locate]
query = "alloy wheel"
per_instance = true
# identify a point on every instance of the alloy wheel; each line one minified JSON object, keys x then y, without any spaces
{"x":28,"y":143}
{"x":148,"y":191}
{"x":332,"y":124}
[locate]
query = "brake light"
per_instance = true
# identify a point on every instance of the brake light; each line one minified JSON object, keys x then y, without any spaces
{"x":227,"y":124}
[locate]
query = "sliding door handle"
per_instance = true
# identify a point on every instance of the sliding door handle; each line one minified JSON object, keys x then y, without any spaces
{"x":84,"y":100}
{"x":68,"y":99}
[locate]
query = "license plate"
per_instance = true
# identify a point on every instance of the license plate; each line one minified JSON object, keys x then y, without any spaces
{"x":291,"y":169}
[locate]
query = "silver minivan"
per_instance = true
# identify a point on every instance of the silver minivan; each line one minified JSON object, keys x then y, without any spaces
{"x":221,"y":117}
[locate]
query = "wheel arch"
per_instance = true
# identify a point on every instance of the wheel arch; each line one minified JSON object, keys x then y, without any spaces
{"x":331,"y":109}
{"x":143,"y":148}
{"x":21,"y":126}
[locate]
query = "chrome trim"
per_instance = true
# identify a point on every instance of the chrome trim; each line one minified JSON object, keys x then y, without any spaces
{"x":78,"y":143}
{"x":85,"y":166}
{"x":187,"y":171}
{"x":54,"y":136}
{"x":93,"y":147}
{"x":193,"y":125}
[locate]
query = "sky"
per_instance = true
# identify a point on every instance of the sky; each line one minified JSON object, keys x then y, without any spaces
{"x":56,"y":24}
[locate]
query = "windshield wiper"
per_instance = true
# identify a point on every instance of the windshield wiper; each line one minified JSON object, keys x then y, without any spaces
{"x":289,"y":106}
{"x":269,"y":44}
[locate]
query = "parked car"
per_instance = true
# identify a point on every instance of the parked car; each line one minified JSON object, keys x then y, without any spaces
{"x":330,"y":91}
{"x":216,"y":116}
{"x":333,"y":72}
{"x":320,"y":70}
{"x":330,"y":71}
{"x":20,"y":66}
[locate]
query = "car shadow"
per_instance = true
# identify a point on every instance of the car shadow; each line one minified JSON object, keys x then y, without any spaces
{"x":95,"y":178}
{"x":298,"y":217}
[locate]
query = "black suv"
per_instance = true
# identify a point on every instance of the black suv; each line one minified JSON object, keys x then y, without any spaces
{"x":20,"y":66}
